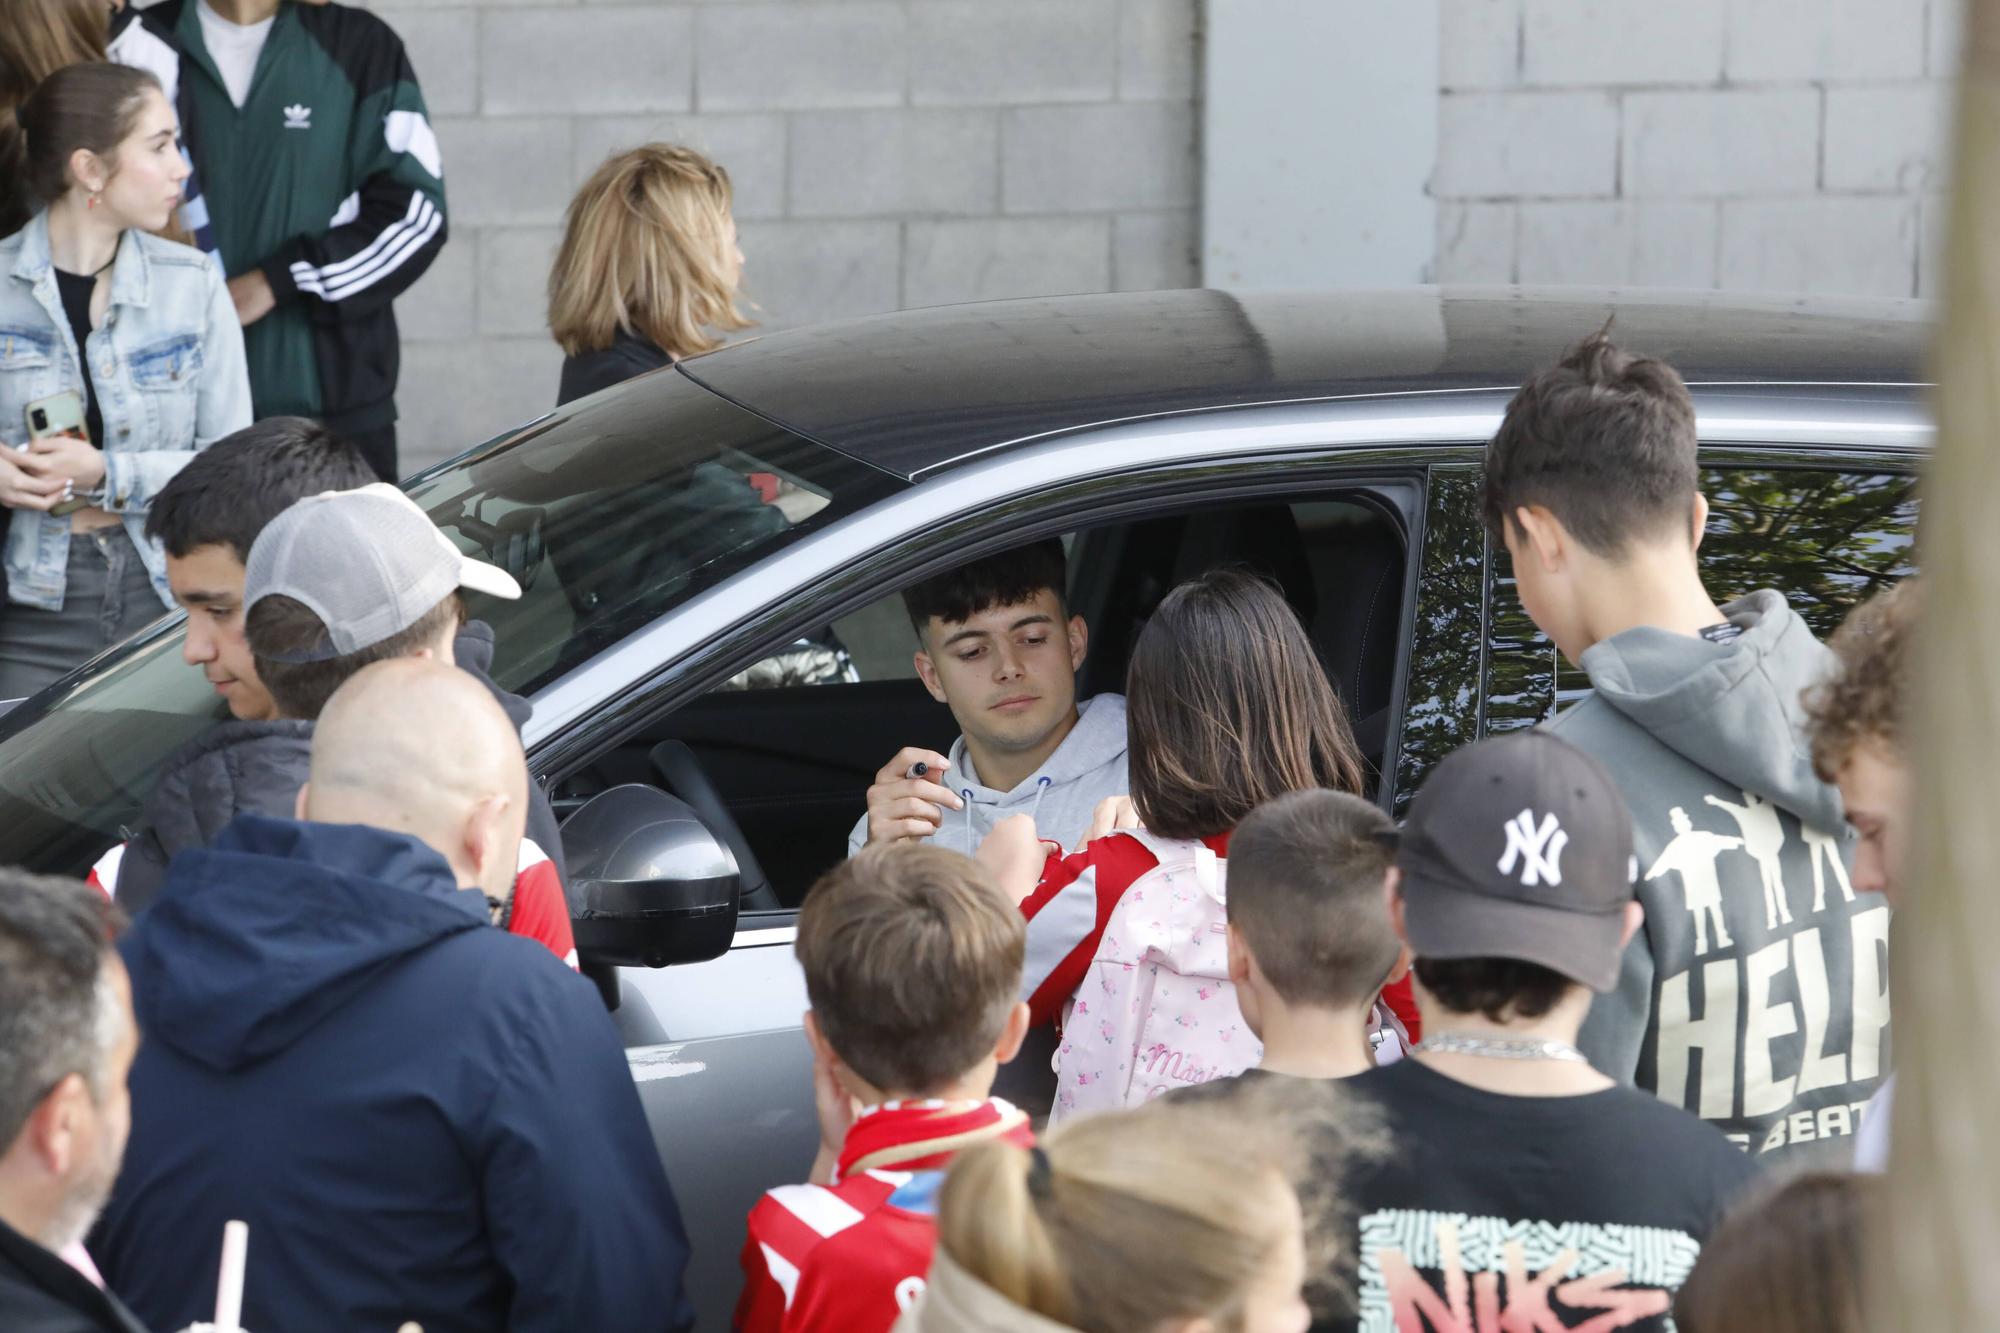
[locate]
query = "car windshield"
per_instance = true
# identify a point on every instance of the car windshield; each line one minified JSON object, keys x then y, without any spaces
{"x":609,"y":513}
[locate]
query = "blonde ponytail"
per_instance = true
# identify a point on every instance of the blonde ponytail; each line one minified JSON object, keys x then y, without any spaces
{"x":990,"y":1210}
{"x":1171,"y":1211}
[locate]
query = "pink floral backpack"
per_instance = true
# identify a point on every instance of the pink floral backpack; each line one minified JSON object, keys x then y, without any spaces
{"x":1156,"y":1011}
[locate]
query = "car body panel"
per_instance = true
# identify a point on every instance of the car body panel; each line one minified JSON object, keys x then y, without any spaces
{"x":919,"y":390}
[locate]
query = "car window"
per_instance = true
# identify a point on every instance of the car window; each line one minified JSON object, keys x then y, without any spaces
{"x":609,"y":515}
{"x":627,"y":506}
{"x":1826,"y":539}
{"x":792,"y":766}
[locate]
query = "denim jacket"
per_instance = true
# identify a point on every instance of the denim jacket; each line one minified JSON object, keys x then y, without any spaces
{"x":169,"y":374}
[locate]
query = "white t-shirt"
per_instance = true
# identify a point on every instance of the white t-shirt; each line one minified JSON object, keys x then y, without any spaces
{"x":234,"y":48}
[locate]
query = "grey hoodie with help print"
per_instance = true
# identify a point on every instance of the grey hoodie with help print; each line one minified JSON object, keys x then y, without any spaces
{"x":1756,"y":993}
{"x":1062,"y":794}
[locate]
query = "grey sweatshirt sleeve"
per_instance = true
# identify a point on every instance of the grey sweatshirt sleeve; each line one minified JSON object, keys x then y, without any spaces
{"x":1615,"y":1032}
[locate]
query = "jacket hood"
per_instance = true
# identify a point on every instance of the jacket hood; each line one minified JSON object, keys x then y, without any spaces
{"x":233,"y":768}
{"x":1732,"y":709}
{"x":254,"y":941}
{"x":954,"y":1301}
{"x":1098,"y":738}
{"x":472,"y":650}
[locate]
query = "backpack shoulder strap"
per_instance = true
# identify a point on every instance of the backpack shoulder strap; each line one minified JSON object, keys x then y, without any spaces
{"x":1173,"y":853}
{"x":1166,"y":851}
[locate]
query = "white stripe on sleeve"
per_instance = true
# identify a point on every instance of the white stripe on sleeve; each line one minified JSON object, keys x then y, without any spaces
{"x":408,"y":132}
{"x":1064,"y":922}
{"x":106,"y":870}
{"x":782,"y":1273}
{"x":381,"y":256}
{"x":817,"y":1207}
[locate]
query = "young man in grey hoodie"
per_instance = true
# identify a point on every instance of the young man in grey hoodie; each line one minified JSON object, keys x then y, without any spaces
{"x":997,"y":645}
{"x":1756,"y":995}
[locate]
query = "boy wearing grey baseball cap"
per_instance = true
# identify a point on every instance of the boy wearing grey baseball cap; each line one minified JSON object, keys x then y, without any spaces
{"x":1523,"y":1181}
{"x":345,"y":579}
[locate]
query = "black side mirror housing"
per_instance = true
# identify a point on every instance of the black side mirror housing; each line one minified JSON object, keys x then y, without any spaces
{"x":650,"y":884}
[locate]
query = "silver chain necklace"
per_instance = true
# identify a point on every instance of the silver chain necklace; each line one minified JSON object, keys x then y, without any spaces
{"x":1501,"y":1048}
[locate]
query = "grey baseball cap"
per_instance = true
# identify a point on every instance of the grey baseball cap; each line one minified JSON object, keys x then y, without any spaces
{"x":1520,"y":846}
{"x":368,"y":562}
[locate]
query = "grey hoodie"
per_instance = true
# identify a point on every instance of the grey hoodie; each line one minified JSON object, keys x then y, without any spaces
{"x":1062,"y":794}
{"x":1756,"y":993}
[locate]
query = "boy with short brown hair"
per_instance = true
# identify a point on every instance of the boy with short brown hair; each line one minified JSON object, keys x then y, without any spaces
{"x":912,"y":957}
{"x":1310,"y":942}
{"x":1754,"y":994}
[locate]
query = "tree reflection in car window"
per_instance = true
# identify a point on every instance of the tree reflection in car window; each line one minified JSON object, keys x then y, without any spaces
{"x":1442,"y":712}
{"x":1826,"y":540}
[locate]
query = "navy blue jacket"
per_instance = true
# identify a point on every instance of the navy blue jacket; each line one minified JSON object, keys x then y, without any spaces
{"x":421,"y":1117}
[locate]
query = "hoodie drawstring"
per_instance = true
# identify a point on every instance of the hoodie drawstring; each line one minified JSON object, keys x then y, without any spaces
{"x":1034,"y":811}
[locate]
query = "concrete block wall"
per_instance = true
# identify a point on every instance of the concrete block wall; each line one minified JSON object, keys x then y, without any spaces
{"x":886,"y":154}
{"x":1789,"y":145}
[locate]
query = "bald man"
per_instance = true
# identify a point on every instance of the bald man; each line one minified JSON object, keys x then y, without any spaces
{"x":416,"y":747}
{"x":421,"y":1117}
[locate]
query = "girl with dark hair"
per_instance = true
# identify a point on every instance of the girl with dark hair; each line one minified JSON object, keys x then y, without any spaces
{"x":1227,"y":707}
{"x":138,"y":330}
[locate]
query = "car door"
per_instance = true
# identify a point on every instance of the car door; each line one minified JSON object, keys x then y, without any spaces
{"x":728,"y":1091}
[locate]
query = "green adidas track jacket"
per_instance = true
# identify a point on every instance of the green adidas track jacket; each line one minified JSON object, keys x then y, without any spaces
{"x":328,"y":179}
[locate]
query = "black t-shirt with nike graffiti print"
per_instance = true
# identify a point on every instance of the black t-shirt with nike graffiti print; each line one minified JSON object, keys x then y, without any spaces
{"x":1498,"y":1212}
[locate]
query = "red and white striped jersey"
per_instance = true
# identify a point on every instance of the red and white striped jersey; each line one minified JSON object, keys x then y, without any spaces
{"x":852,"y":1255}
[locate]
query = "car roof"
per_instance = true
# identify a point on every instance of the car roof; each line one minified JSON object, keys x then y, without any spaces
{"x":919,"y":390}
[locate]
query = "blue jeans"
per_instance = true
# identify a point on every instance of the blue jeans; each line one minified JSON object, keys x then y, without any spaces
{"x":107,"y":598}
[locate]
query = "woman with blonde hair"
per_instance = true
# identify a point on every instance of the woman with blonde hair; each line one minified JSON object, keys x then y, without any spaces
{"x":648,"y":269}
{"x":1180,"y":1215}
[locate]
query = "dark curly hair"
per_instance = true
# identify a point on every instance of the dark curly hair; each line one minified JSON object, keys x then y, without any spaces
{"x":1864,"y":697}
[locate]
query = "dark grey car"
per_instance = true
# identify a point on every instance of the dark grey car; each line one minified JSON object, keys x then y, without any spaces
{"x":742,"y":647}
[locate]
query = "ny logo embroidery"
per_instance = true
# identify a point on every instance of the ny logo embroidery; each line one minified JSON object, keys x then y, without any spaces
{"x":1538,"y":849}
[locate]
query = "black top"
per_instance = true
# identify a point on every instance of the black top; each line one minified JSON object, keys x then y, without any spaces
{"x":76,"y":289}
{"x":41,"y":1293}
{"x":1487,"y":1197}
{"x":922,"y":389}
{"x":627,"y":356}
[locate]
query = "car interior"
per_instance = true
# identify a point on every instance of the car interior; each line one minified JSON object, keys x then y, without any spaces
{"x":783,"y":772}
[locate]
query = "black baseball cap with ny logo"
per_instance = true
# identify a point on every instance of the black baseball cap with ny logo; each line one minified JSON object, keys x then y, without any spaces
{"x":1519,"y":846}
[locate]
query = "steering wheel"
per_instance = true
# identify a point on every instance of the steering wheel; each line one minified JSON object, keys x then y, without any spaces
{"x":677,"y":767}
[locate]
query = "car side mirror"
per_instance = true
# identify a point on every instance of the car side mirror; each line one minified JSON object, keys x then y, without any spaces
{"x":649,"y":884}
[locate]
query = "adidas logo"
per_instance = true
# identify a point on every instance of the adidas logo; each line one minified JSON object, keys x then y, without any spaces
{"x":298,"y":117}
